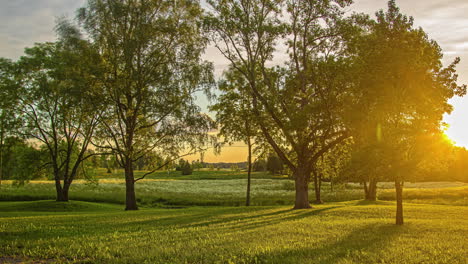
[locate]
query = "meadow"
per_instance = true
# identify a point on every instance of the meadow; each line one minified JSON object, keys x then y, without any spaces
{"x":223,"y":188}
{"x":345,"y":232}
{"x":204,"y":188}
{"x":200,"y":219}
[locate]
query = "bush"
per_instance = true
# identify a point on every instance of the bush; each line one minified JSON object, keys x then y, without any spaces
{"x":187,"y":169}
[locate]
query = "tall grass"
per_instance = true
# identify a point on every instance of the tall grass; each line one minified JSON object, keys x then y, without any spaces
{"x":230,"y":192}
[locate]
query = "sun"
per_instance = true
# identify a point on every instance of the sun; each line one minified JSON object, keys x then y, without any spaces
{"x":456,"y":127}
{"x":456,"y":135}
{"x":447,"y":139}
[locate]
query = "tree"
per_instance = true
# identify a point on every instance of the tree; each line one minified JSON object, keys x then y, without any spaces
{"x":259,"y":165}
{"x":330,"y":167}
{"x":180,"y":165}
{"x":8,"y":100}
{"x":298,"y":107}
{"x":458,"y":166}
{"x":197,"y":165}
{"x":152,"y":51}
{"x":21,"y":161}
{"x":403,"y":90}
{"x":235,"y":117}
{"x":367,"y":165}
{"x":274,"y":164}
{"x":187,"y":168}
{"x":56,"y":105}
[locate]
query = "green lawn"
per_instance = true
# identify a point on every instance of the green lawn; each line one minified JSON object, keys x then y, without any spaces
{"x":347,"y":232}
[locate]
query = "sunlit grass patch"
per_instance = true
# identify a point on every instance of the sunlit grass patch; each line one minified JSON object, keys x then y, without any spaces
{"x":348,"y":232}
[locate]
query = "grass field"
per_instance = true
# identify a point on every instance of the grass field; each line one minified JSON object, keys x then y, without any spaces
{"x":347,"y":232}
{"x":224,"y":188}
{"x":199,"y":219}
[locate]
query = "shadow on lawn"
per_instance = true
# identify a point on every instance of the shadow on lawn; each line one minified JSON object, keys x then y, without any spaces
{"x":371,"y":238}
{"x":378,"y":202}
{"x":230,"y":219}
{"x":261,"y":220}
{"x":363,"y":245}
{"x":235,"y":219}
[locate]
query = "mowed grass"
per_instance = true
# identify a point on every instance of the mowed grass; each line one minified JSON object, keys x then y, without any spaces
{"x":346,"y":232}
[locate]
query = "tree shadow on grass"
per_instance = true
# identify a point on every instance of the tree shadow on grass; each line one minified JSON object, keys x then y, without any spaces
{"x":221,"y":219}
{"x":378,"y":202}
{"x":362,"y":245}
{"x":235,"y":221}
{"x":261,"y":220}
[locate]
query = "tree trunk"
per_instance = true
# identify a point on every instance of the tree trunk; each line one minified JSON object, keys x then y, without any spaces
{"x":249,"y":171}
{"x":399,"y":202}
{"x":302,"y":189}
{"x":371,"y":190}
{"x":317,"y":188}
{"x":62,"y":192}
{"x":130,"y":198}
{"x":366,"y":190}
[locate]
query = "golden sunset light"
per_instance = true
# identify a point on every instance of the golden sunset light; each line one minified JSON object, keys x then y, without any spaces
{"x":234,"y":131}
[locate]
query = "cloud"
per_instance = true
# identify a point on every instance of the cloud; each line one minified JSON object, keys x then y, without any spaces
{"x":26,"y":22}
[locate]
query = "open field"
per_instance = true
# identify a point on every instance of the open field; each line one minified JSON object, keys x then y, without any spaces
{"x":191,"y":219}
{"x":225,"y":188}
{"x":347,"y":232}
{"x":202,"y":174}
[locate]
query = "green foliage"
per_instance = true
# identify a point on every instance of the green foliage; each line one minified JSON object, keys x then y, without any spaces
{"x":152,"y":96}
{"x":458,"y":167}
{"x":298,"y":105}
{"x":235,"y":168}
{"x":259,"y":165}
{"x":400,"y":96}
{"x":186,"y":168}
{"x":334,"y":163}
{"x":9,"y":98}
{"x":22,"y":162}
{"x":197,"y":165}
{"x":234,"y":109}
{"x":274,"y":165}
{"x":56,"y":81}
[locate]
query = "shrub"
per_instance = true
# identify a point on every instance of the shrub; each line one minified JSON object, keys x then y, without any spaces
{"x":187,"y":169}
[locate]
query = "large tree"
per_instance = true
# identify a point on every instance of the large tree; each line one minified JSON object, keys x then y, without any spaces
{"x":56,"y":106}
{"x":402,"y":93}
{"x":151,"y":50}
{"x":298,"y":106}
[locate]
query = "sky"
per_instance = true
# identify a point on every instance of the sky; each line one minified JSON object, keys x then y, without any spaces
{"x":25,"y":22}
